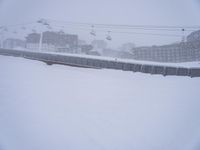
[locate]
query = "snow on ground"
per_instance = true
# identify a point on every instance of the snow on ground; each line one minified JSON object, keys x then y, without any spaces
{"x":66,"y":108}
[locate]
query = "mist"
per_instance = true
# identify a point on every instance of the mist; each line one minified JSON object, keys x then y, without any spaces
{"x":128,"y":12}
{"x":99,"y":74}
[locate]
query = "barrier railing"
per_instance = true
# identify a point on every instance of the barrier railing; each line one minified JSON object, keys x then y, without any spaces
{"x":90,"y":62}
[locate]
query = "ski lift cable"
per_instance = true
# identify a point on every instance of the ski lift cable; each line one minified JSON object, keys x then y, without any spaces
{"x":174,"y":35}
{"x":130,"y":26}
{"x":114,"y":26}
{"x":139,"y":28}
{"x":124,"y":27}
{"x":121,"y":32}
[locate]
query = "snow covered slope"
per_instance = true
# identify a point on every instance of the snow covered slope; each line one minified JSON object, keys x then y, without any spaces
{"x":66,"y":108}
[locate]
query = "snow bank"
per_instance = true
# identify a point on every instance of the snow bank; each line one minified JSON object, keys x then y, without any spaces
{"x":66,"y":108}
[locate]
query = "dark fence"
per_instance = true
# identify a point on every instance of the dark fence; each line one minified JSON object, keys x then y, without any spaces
{"x":91,"y":62}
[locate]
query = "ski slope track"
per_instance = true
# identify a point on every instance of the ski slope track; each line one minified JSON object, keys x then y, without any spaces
{"x":61,"y":107}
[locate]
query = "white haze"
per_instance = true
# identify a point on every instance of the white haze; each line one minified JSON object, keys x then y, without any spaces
{"x":131,"y":12}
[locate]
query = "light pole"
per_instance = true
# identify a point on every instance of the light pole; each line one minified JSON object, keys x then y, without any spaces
{"x":1,"y":40}
{"x":40,"y":42}
{"x":3,"y":29}
{"x":183,"y":35}
{"x":42,"y":22}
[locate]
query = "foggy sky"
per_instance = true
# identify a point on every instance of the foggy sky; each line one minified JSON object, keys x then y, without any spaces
{"x":132,"y":12}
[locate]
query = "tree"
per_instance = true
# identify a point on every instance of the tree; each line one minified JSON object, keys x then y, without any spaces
{"x":127,"y":47}
{"x":100,"y":44}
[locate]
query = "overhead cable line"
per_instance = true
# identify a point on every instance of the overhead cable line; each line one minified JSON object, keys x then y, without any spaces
{"x":128,"y":26}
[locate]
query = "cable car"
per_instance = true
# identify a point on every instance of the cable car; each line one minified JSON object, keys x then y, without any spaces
{"x":49,"y":27}
{"x":40,"y":21}
{"x":23,"y":28}
{"x":108,"y":37}
{"x":46,"y":24}
{"x":93,"y":33}
{"x":34,"y":31}
{"x":5,"y":29}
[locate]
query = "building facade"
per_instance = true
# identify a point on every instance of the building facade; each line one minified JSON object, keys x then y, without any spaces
{"x":180,"y":52}
{"x":53,"y":41}
{"x":14,"y":43}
